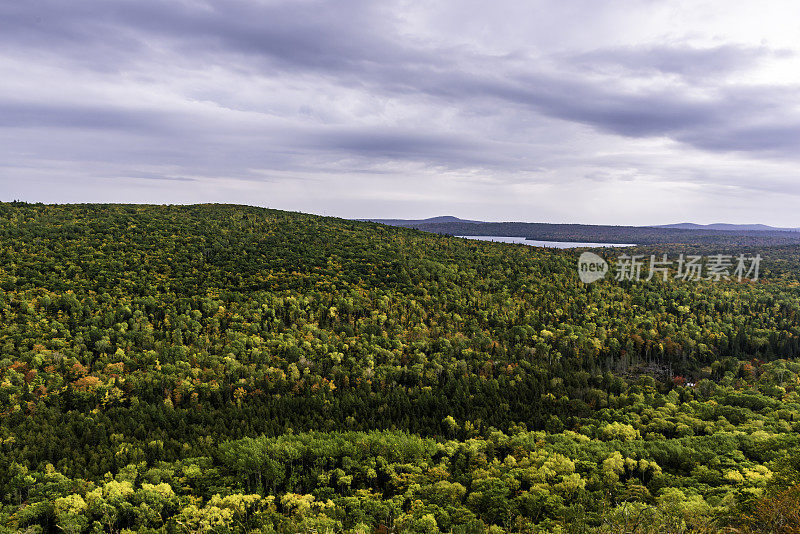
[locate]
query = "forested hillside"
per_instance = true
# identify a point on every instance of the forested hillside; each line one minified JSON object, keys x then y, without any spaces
{"x":220,"y":368}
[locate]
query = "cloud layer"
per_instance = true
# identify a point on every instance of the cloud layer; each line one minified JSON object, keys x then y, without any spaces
{"x":629,"y":112}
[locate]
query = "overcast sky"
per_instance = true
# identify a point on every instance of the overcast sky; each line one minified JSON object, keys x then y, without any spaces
{"x":628,"y":112}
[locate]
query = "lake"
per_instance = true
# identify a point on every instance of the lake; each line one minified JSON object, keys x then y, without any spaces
{"x":536,"y":243}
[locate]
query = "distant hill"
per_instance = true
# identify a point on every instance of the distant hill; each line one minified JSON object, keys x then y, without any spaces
{"x":687,"y":233}
{"x":727,"y":227}
{"x":414,"y":222}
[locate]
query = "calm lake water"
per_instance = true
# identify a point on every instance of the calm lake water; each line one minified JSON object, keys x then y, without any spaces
{"x":535,"y":243}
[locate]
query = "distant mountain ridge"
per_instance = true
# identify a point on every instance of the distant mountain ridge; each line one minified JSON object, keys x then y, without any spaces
{"x":688,"y":233}
{"x":431,"y":220}
{"x":679,"y":226}
{"x":727,"y":227}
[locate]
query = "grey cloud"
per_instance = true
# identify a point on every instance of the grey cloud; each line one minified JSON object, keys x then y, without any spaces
{"x":468,"y":108}
{"x":678,"y":59}
{"x":356,"y":43}
{"x":776,"y":139}
{"x":405,"y":145}
{"x":331,"y":36}
{"x":27,"y":115}
{"x":139,"y":175}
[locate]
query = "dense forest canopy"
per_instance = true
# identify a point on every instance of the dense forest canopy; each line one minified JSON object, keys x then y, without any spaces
{"x":238,"y":369}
